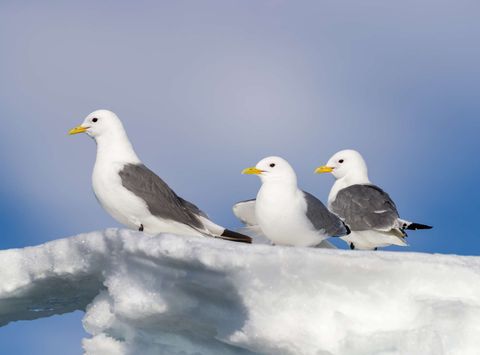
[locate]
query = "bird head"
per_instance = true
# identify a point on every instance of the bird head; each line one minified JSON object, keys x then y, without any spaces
{"x":273,"y":169}
{"x":345,"y":163}
{"x":98,"y":123}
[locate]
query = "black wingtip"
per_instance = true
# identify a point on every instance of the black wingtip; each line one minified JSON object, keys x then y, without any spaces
{"x":347,"y":228}
{"x":235,"y":237}
{"x":415,"y":226}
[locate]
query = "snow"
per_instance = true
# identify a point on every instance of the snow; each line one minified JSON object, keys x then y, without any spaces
{"x":178,"y":295}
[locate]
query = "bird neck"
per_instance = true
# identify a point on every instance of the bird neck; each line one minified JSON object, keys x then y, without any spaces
{"x":279,"y":187}
{"x":115,"y":147}
{"x":354,"y":179}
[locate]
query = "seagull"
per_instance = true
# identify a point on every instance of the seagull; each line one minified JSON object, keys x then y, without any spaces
{"x":245,"y":212}
{"x":287,"y":215}
{"x":368,"y":210}
{"x":134,"y":195}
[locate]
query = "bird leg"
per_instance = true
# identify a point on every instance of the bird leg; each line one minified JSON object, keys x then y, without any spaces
{"x":141,"y":228}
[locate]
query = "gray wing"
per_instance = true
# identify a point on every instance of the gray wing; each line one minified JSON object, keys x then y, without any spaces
{"x":193,"y":208}
{"x":322,"y":219}
{"x":365,"y":207}
{"x":161,"y":200}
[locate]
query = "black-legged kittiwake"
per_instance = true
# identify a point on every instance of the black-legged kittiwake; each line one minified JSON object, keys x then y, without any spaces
{"x":368,"y":210}
{"x":132,"y":194}
{"x":245,"y":212}
{"x":285,"y":214}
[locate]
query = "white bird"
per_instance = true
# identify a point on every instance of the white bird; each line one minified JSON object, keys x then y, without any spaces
{"x":132,"y":194}
{"x":368,"y":210}
{"x":285,"y":214}
{"x":245,"y":212}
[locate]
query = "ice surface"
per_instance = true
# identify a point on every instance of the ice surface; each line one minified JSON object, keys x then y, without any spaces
{"x":176,"y":295}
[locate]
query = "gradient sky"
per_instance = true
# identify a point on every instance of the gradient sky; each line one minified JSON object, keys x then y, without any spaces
{"x":207,"y":88}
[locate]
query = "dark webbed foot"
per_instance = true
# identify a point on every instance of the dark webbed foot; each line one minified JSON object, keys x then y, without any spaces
{"x":352,"y":246}
{"x":141,"y":228}
{"x":375,"y":249}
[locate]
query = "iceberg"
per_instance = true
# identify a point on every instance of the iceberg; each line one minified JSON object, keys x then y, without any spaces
{"x":171,"y":294}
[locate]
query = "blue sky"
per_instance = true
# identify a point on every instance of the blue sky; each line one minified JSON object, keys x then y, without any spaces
{"x":206,"y":88}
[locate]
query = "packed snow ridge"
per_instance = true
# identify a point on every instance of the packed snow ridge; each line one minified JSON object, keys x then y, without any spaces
{"x":177,"y":295}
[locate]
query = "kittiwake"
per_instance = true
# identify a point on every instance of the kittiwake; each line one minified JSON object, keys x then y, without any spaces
{"x":132,"y":194}
{"x":368,"y":210}
{"x":285,"y":214}
{"x":245,"y":212}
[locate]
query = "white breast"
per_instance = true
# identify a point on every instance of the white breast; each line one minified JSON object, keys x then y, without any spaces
{"x":119,"y":202}
{"x":282,"y":217}
{"x":337,"y":186}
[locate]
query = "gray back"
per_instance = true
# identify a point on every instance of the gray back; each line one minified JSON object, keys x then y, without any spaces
{"x":365,"y":207}
{"x":160,"y":198}
{"x":322,"y":219}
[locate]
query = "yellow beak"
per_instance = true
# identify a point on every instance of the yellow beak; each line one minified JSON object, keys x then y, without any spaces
{"x":252,"y":171}
{"x":323,"y":169}
{"x":78,"y":129}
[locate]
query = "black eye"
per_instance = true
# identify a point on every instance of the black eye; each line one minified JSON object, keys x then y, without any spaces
{"x":94,"y":119}
{"x":340,"y":161}
{"x":272,"y":165}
